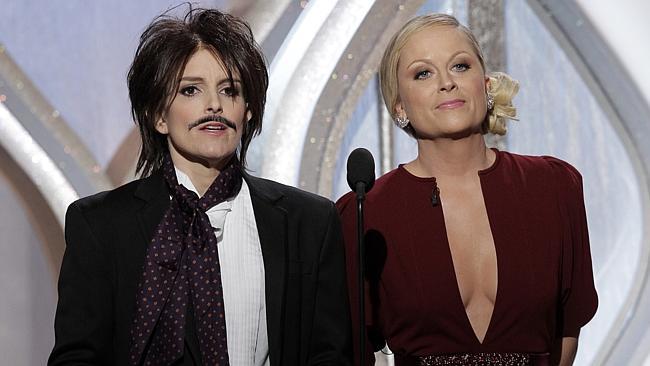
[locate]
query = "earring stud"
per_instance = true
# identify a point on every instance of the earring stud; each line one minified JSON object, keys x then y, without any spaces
{"x":490,"y":102}
{"x":402,"y":121}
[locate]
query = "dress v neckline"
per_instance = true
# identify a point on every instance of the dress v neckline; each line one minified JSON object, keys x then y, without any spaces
{"x":454,"y":277}
{"x":458,"y":298}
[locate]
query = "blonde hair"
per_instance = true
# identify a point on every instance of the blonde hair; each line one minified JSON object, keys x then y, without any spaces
{"x":388,"y":71}
{"x":502,"y":88}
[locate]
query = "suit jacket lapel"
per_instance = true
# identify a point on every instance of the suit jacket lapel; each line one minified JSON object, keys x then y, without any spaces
{"x":154,"y":193}
{"x":271,"y":221}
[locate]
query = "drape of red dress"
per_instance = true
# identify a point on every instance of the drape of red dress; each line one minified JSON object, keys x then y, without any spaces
{"x":545,"y":287}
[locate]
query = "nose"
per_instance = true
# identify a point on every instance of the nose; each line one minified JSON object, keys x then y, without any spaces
{"x":213,"y":103}
{"x":447,"y":82}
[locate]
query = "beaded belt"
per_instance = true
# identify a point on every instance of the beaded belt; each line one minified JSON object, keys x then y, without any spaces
{"x":477,"y":359}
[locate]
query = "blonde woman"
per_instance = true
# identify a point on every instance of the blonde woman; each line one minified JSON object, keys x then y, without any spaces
{"x":476,"y":256}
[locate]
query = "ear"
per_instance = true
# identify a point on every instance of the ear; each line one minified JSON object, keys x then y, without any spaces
{"x":161,"y":126}
{"x":399,"y":109}
{"x":487,"y":83}
{"x":249,"y":115}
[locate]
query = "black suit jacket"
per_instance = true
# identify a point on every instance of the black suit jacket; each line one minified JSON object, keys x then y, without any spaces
{"x":106,"y":240}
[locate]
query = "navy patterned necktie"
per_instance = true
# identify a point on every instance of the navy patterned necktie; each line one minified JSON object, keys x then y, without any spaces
{"x":181,"y":270}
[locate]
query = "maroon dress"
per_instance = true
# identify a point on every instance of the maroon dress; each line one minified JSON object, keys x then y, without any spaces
{"x":545,"y":283}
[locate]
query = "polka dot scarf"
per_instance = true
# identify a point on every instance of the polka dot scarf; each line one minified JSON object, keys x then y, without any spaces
{"x":181,"y":269}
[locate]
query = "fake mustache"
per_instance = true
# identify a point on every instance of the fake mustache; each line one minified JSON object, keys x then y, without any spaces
{"x":212,"y":118}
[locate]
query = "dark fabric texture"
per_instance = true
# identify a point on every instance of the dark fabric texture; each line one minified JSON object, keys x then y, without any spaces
{"x":181,"y":270}
{"x":107,"y":236}
{"x":545,"y":283}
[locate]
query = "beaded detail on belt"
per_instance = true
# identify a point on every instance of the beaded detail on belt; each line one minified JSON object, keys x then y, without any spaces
{"x":476,"y":359}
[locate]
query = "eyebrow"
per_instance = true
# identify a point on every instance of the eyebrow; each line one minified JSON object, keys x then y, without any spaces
{"x":426,"y":61}
{"x":200,"y":79}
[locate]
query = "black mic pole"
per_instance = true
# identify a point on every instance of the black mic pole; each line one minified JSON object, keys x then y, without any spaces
{"x":361,"y":178}
{"x":361,"y":196}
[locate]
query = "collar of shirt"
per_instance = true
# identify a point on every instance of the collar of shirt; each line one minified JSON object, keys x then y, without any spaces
{"x":216,"y":214}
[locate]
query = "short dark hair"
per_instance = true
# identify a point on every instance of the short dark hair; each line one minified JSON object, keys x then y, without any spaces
{"x":165,"y":48}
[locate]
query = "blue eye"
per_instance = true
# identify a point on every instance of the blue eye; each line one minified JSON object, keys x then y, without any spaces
{"x":461,"y":67}
{"x":421,"y":75}
{"x":189,"y":91}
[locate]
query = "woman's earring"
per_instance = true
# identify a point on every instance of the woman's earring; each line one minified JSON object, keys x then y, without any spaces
{"x":402,"y":122}
{"x":490,"y":102}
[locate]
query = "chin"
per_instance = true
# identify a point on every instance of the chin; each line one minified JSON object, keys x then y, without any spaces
{"x":216,"y":151}
{"x":207,"y":156}
{"x":218,"y":157}
{"x":461,"y":129}
{"x":455,"y":131}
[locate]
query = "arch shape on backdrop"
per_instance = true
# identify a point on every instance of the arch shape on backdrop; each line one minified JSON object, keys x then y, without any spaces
{"x":47,"y":163}
{"x":60,"y":168}
{"x":623,"y":103}
{"x":357,"y":65}
{"x":302,"y":70}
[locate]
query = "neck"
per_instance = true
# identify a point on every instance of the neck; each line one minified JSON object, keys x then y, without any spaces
{"x":451,"y":157}
{"x":201,"y":175}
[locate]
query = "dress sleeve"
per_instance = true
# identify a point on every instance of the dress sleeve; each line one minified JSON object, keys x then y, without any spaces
{"x":346,"y":206}
{"x":578,"y":298}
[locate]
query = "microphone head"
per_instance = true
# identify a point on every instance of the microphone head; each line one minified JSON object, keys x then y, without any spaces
{"x":361,"y":169}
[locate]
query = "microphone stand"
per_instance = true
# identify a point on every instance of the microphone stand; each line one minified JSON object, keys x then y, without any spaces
{"x":361,"y":195}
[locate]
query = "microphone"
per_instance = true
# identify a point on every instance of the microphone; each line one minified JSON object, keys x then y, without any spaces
{"x":435,"y":196}
{"x":361,"y":178}
{"x":361,"y":171}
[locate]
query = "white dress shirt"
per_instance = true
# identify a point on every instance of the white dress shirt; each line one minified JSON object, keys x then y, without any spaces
{"x":242,"y":276}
